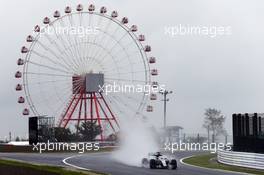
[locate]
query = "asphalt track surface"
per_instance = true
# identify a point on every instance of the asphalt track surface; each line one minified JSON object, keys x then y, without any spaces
{"x":103,"y":162}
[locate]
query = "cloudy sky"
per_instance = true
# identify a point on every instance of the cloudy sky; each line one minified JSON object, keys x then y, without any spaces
{"x":224,"y":72}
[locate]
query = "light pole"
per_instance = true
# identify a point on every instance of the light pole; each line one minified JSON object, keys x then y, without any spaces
{"x":165,"y":99}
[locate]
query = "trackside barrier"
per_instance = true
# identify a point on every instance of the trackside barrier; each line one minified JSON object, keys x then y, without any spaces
{"x":243,"y":159}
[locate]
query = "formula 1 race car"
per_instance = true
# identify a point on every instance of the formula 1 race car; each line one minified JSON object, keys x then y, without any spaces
{"x":157,"y":160}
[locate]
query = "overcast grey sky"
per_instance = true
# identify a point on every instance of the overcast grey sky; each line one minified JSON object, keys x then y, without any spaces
{"x":225,"y":72}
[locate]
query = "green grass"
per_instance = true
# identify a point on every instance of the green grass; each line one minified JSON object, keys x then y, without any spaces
{"x":206,"y":161}
{"x":29,"y":149}
{"x":44,"y":168}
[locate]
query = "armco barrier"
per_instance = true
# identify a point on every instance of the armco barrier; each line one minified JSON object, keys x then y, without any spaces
{"x":243,"y":159}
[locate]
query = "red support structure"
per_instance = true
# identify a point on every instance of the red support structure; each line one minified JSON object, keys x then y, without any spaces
{"x":80,"y":110}
{"x":69,"y":116}
{"x":77,"y":111}
{"x":85,"y":107}
{"x":88,"y":119}
{"x":68,"y":108}
{"x":91,"y":106}
{"x":109,"y":109}
{"x":107,"y":118}
{"x":98,"y":115}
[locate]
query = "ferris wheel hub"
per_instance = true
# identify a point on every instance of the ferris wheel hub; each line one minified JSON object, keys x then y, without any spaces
{"x":87,"y":83}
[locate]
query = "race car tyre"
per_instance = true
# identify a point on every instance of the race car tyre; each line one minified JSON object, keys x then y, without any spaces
{"x":152,"y":164}
{"x":145,"y":163}
{"x":173,"y":164}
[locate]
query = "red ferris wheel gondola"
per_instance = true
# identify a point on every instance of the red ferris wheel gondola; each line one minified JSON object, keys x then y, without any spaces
{"x":133,"y":28}
{"x":29,"y":38}
{"x":20,"y":62}
{"x":149,"y":108}
{"x":25,"y":111}
{"x":21,"y":100}
{"x":103,"y":10}
{"x":67,"y":9}
{"x":153,"y":96}
{"x":124,"y":20}
{"x":18,"y":87}
{"x":114,"y":14}
{"x":24,"y":49}
{"x":154,"y":72}
{"x":79,"y":7}
{"x":18,"y":74}
{"x":56,"y":14}
{"x":91,"y":8}
{"x":141,"y":37}
{"x":152,"y":60}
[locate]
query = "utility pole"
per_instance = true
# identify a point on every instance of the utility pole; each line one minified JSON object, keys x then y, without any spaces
{"x":165,"y":99}
{"x":10,"y":137}
{"x":208,"y":134}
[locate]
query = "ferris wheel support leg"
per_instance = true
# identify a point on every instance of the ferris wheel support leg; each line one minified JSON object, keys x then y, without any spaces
{"x":80,"y":112}
{"x":91,"y":106}
{"x":72,"y":111}
{"x":67,"y":110}
{"x":98,"y":115}
{"x":107,"y":118}
{"x":85,"y":107}
{"x":101,"y":95}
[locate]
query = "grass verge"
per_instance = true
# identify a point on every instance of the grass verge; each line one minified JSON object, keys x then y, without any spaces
{"x":26,"y":168}
{"x":29,"y":149}
{"x":206,"y":160}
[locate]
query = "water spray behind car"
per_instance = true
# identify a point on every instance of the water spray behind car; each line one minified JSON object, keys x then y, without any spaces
{"x":137,"y":140}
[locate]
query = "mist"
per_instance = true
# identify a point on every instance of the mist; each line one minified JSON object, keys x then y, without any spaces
{"x":137,"y":140}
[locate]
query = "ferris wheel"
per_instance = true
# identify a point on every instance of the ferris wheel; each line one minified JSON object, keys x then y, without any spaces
{"x":67,"y":58}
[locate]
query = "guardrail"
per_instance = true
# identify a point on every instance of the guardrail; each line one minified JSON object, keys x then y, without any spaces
{"x":243,"y":159}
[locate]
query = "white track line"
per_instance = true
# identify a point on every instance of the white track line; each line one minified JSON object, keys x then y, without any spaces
{"x":74,"y":166}
{"x":211,"y":169}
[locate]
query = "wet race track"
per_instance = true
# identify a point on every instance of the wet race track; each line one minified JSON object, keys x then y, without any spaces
{"x":103,"y":162}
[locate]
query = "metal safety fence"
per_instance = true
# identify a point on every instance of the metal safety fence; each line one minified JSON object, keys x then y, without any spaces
{"x":243,"y":159}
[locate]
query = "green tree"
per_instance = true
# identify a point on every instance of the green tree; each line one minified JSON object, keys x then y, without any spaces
{"x":89,"y":130}
{"x":17,"y":139}
{"x":45,"y":133}
{"x":63,"y":134}
{"x":196,"y":139}
{"x":213,"y":121}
